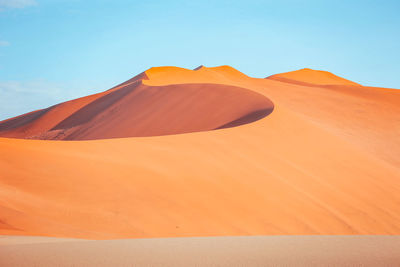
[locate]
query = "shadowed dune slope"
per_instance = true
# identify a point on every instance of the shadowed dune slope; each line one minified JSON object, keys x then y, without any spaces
{"x":325,"y":161}
{"x":135,"y":109}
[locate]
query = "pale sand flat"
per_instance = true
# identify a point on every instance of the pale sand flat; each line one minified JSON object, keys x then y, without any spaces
{"x":7,"y":240}
{"x":210,"y":251}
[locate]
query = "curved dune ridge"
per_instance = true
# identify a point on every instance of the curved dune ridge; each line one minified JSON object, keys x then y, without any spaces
{"x":325,"y":161}
{"x":135,"y":108}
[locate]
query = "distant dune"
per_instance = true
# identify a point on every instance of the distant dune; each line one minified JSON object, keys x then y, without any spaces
{"x":311,"y":77}
{"x":206,"y":152}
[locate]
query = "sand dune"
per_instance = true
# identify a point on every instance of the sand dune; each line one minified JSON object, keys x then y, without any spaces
{"x":311,"y":78}
{"x":325,"y":161}
{"x":209,"y":251}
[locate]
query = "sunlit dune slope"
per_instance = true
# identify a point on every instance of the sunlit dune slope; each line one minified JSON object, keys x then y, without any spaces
{"x":325,"y":161}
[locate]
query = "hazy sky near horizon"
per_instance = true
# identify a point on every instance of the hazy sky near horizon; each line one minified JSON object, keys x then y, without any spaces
{"x":56,"y":50}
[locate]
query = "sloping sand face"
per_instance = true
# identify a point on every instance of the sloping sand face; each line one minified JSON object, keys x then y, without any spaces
{"x":208,"y":251}
{"x":318,"y":164}
{"x":134,"y":109}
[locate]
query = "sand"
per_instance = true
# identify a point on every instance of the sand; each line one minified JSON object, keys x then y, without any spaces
{"x":324,"y":160}
{"x":311,"y":77}
{"x":207,"y":251}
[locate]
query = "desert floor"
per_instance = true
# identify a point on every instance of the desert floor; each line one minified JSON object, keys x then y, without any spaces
{"x":203,"y":251}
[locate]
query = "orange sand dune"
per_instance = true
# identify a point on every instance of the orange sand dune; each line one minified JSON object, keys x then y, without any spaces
{"x":325,"y":161}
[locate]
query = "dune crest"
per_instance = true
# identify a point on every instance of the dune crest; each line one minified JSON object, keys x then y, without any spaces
{"x":175,"y":75}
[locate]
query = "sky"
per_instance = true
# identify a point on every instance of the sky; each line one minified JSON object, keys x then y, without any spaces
{"x":55,"y":50}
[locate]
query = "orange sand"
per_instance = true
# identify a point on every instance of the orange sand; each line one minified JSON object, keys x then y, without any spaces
{"x":325,"y":161}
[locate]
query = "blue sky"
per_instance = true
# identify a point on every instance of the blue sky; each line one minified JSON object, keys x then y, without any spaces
{"x":55,"y":50}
